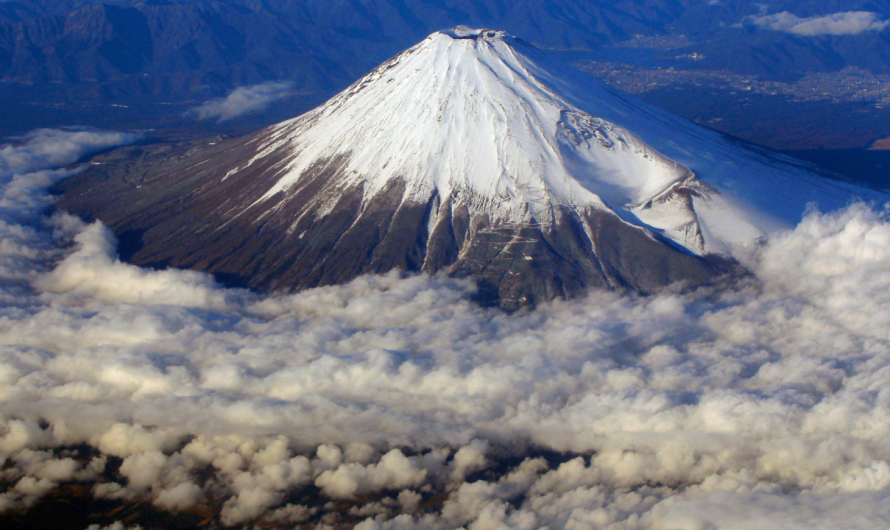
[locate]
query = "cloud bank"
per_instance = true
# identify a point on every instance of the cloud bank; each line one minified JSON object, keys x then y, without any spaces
{"x":243,"y":100}
{"x":395,"y":403}
{"x":846,"y":23}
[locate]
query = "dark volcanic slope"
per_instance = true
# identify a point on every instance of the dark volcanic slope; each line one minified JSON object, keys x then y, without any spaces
{"x":172,"y":206}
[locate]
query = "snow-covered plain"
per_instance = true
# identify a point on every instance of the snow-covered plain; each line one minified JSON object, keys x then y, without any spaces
{"x":489,"y":119}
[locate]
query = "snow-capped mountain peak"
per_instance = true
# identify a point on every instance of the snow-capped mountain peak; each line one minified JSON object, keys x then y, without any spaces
{"x":476,"y":154}
{"x":463,"y":114}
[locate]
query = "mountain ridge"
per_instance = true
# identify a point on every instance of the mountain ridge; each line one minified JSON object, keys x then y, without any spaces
{"x":55,"y":41}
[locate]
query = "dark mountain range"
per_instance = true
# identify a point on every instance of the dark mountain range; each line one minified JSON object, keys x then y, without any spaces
{"x":148,"y":46}
{"x":142,"y":45}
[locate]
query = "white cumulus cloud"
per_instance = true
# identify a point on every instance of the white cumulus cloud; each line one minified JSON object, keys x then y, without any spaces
{"x":846,"y":23}
{"x":243,"y":100}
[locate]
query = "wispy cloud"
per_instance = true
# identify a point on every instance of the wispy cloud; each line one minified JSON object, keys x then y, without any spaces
{"x":51,"y":148}
{"x":846,"y":23}
{"x":244,"y":100}
{"x":396,"y":403}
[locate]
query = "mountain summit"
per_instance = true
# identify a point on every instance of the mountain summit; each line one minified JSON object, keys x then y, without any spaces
{"x":471,"y":153}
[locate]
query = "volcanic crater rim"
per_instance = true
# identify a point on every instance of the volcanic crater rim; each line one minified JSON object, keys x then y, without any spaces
{"x":465,"y":32}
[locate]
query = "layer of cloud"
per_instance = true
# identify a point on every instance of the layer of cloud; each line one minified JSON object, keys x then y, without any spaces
{"x":395,"y":402}
{"x":846,"y":23}
{"x":243,"y":100}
